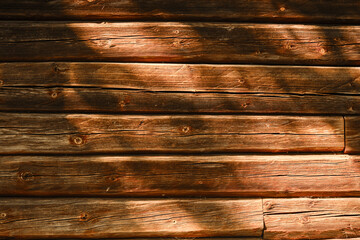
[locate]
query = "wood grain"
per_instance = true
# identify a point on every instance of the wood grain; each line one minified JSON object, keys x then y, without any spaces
{"x":171,"y":88}
{"x":111,"y":218}
{"x":219,"y":175}
{"x":78,"y":133}
{"x":312,"y":218}
{"x":180,"y":42}
{"x":238,"y":10}
{"x":183,"y":77}
{"x":352,"y":134}
{"x":88,"y":100}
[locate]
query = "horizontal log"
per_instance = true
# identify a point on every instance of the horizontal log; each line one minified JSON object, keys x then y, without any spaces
{"x":180,"y":42}
{"x":238,"y":10}
{"x":114,"y":87}
{"x":352,"y":134}
{"x":88,"y":100}
{"x":311,"y":218}
{"x":76,"y":133}
{"x":107,"y":218}
{"x":183,"y":77}
{"x":221,"y":175}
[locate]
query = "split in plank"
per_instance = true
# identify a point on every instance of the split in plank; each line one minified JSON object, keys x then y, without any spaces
{"x":352,"y":134}
{"x":125,"y":218}
{"x":312,"y":218}
{"x":213,"y":10}
{"x":90,"y":100}
{"x":80,"y":133}
{"x":183,"y":77}
{"x":117,"y":87}
{"x":220,"y":175}
{"x":180,"y":42}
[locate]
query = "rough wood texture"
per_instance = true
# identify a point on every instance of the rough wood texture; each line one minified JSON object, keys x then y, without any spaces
{"x":312,"y":218}
{"x":132,"y":101}
{"x":221,"y":175}
{"x":111,"y":87}
{"x":352,"y":134}
{"x":106,"y":218}
{"x":60,"y":133}
{"x":214,"y":10}
{"x":183,"y":77}
{"x":180,"y":42}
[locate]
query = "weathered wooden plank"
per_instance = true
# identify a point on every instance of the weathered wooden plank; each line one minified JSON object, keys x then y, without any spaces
{"x":180,"y":42}
{"x":220,"y":175}
{"x":142,"y":101}
{"x":238,"y":10}
{"x":187,"y":238}
{"x":183,"y":77}
{"x":312,"y":218}
{"x":111,"y":218}
{"x":113,"y":87}
{"x":76,"y":133}
{"x":352,"y":134}
{"x":217,"y":238}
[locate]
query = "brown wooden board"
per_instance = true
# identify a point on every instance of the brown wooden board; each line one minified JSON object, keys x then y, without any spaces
{"x":213,"y":10}
{"x":88,"y":100}
{"x":183,"y":77}
{"x":219,"y":175}
{"x":312,"y":218}
{"x":116,"y":87}
{"x":78,"y":133}
{"x":111,"y":218}
{"x":180,"y":42}
{"x":352,"y":134}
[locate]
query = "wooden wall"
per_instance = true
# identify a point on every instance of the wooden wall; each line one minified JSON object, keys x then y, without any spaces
{"x":179,"y":119}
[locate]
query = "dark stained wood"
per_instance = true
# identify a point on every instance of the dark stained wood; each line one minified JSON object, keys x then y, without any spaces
{"x":112,"y":87}
{"x":352,"y":134}
{"x":180,"y":42}
{"x":312,"y":218}
{"x":220,"y":175}
{"x":214,"y":10}
{"x":77,"y":133}
{"x":107,"y":218}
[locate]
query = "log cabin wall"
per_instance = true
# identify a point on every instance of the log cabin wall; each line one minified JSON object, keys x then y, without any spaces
{"x":179,"y":119}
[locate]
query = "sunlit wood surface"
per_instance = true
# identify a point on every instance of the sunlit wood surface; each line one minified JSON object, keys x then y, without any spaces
{"x":177,"y":119}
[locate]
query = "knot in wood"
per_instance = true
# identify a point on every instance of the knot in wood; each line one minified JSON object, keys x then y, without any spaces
{"x":322,"y":51}
{"x":268,"y":205}
{"x":186,"y":129}
{"x":1,"y":82}
{"x":77,"y":140}
{"x":3,"y":215}
{"x":54,"y":94}
{"x":304,"y":220}
{"x":124,"y":102}
{"x":84,"y":217}
{"x":241,"y":81}
{"x":282,"y":9}
{"x":26,"y":176}
{"x":57,"y":69}
{"x":245,"y":105}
